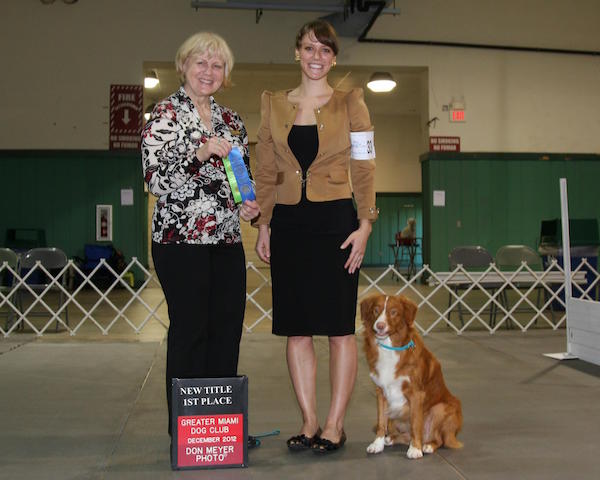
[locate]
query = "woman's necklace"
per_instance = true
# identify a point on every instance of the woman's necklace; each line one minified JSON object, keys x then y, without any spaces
{"x":206,"y":118}
{"x":204,"y":113}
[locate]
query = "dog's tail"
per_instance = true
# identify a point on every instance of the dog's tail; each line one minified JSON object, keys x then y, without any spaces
{"x":450,"y":440}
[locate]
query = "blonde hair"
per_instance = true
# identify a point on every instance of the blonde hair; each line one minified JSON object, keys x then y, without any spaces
{"x":205,"y":43}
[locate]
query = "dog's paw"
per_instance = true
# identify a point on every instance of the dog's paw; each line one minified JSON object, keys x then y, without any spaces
{"x":414,"y":452}
{"x":388,"y":441}
{"x":428,"y":448}
{"x":376,"y":446}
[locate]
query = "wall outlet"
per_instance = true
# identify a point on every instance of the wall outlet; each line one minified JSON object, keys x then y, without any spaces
{"x":458,"y":224}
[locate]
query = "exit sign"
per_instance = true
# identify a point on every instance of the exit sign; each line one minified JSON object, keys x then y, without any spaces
{"x":457,"y":116}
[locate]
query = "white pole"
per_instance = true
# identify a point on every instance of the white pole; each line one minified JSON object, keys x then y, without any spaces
{"x":566,"y":249}
{"x":566,"y":241}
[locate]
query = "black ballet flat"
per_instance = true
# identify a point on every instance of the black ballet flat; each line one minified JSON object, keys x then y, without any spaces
{"x":322,"y":445}
{"x":302,"y":442}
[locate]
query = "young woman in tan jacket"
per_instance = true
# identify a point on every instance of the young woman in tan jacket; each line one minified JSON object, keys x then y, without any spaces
{"x":309,"y":140}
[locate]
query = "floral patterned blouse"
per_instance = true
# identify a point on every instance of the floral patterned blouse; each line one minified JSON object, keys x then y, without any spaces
{"x":195,"y":203}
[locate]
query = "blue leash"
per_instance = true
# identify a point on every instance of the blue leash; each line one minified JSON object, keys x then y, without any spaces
{"x":410,"y":344}
{"x":254,"y":439}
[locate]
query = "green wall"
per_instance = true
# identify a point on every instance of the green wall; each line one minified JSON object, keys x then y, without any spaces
{"x":394,"y":210}
{"x":58,"y":191}
{"x":501,"y":198}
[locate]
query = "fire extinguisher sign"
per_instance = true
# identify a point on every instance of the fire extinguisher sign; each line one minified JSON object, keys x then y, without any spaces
{"x":210,"y":423}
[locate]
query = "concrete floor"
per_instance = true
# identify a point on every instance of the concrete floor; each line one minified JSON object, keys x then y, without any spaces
{"x":93,"y":408}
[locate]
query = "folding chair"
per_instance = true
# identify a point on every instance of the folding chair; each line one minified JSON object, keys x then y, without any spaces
{"x":474,"y":258}
{"x":509,"y":258}
{"x":7,"y":281}
{"x":53,"y":260}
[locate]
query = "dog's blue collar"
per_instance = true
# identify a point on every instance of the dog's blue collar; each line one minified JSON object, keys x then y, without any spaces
{"x":410,"y":344}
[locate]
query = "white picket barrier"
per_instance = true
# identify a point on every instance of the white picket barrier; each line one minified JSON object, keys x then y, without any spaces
{"x":17,"y":316}
{"x":493,"y":285}
{"x":119,"y":307}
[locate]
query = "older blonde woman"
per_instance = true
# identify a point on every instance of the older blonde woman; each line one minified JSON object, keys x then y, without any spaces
{"x":196,"y":240}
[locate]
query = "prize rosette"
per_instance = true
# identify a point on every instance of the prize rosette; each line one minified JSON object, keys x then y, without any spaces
{"x":237,"y":174}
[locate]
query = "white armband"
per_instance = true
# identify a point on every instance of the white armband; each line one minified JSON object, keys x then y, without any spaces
{"x":363,"y":145}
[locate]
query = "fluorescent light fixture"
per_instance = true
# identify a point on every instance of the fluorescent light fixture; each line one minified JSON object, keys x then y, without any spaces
{"x":381,"y":82}
{"x":148,"y":111}
{"x":151,"y":79}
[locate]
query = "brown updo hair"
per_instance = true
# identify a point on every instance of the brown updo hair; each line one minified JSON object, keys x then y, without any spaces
{"x":323,"y":31}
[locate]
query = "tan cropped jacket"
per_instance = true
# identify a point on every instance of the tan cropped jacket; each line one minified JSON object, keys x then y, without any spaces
{"x":278,"y":174}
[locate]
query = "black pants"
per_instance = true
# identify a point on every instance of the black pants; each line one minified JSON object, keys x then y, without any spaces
{"x":205,"y":289}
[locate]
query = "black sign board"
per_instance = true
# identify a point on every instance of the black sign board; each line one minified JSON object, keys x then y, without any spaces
{"x":210,"y":423}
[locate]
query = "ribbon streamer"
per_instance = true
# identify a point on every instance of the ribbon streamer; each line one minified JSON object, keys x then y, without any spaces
{"x":237,"y":174}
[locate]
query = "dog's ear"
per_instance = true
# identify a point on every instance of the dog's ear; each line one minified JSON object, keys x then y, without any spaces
{"x":410,"y":310}
{"x":366,"y":307}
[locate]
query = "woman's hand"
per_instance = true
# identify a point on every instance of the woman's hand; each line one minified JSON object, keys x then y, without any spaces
{"x":263,"y":244}
{"x":358,"y":240}
{"x":214,"y":146}
{"x":249,"y":210}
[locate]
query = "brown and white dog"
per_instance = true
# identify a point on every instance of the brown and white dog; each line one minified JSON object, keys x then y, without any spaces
{"x":414,"y":406}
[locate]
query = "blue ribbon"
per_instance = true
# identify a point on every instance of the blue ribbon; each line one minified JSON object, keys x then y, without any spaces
{"x":242,"y":179}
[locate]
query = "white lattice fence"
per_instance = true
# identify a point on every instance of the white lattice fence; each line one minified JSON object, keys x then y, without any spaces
{"x":258,"y":296}
{"x":54,"y":296}
{"x":72,"y":300}
{"x":490,"y":289}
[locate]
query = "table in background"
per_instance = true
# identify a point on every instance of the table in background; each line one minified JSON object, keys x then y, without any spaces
{"x":406,"y":251}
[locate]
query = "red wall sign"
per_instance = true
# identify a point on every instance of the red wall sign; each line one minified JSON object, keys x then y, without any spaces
{"x":126,"y":116}
{"x":444,"y":144}
{"x":207,"y":440}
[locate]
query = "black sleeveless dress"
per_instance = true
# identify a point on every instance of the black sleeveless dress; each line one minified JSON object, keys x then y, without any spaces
{"x":313,"y":294}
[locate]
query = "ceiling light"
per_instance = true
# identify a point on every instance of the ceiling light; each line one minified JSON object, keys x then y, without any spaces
{"x":381,"y":82}
{"x":151,"y":79}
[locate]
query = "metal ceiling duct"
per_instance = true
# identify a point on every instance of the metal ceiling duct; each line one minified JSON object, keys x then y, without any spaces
{"x":285,"y":5}
{"x":350,"y":18}
{"x":358,"y":18}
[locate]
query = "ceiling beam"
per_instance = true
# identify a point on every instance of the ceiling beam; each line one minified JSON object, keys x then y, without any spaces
{"x":294,"y":7}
